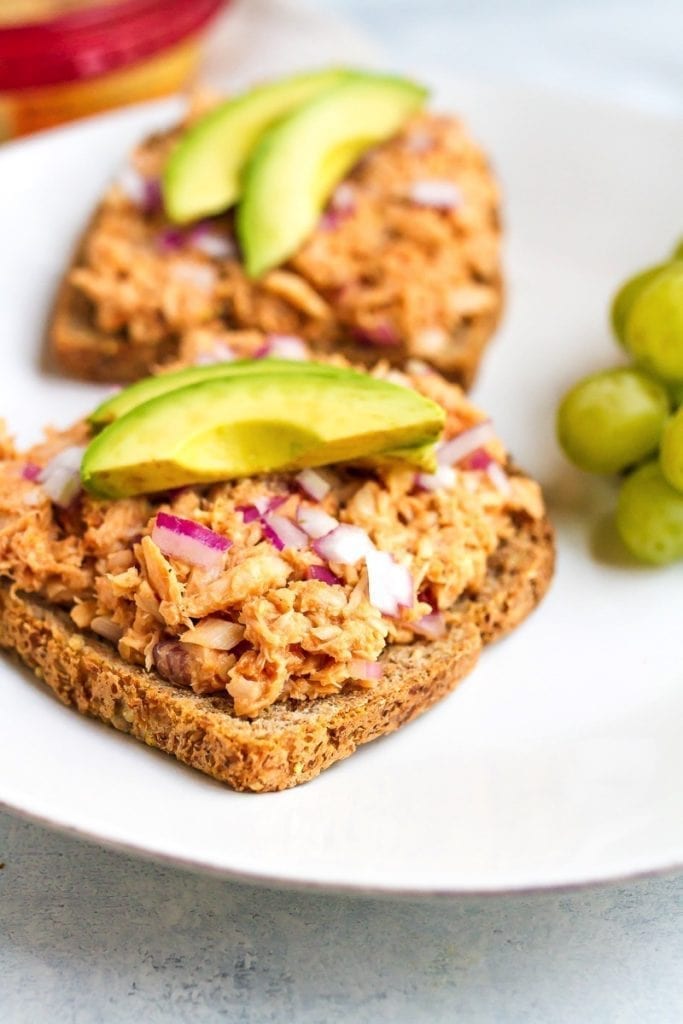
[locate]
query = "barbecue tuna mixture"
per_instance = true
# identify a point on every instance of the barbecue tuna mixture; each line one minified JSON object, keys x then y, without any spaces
{"x":258,"y":625}
{"x":406,"y":258}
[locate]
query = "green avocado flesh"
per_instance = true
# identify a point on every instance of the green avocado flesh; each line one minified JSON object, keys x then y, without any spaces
{"x":151,"y":387}
{"x":243,"y":425}
{"x":202,"y":176}
{"x":298,"y":162}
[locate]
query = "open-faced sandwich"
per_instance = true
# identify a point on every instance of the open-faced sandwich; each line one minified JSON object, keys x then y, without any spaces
{"x":258,"y":566}
{"x":331,"y":206}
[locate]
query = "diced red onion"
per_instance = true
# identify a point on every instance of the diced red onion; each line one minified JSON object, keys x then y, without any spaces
{"x":382,"y":334}
{"x":31,"y":472}
{"x":249,"y":513}
{"x":153,"y":199}
{"x":266,"y":503}
{"x":170,"y":240}
{"x":142,"y":192}
{"x":173,"y":661}
{"x":272,"y":537}
{"x":199,"y":228}
{"x":201,"y":275}
{"x":106,"y":627}
{"x":322,"y":573}
{"x":145,"y":193}
{"x":220,"y":353}
{"x":390,"y":585}
{"x":498,"y":478}
{"x":189,"y":541}
{"x":218,"y":634}
{"x":344,"y":197}
{"x":31,"y":498}
{"x":331,"y":219}
{"x":397,"y":377}
{"x":61,"y":478}
{"x":342,"y":205}
{"x":315,"y":521}
{"x":418,"y":367}
{"x":431,"y":341}
{"x":313,"y":484}
{"x":216,"y":247}
{"x":68,"y":458}
{"x":283,"y":533}
{"x":132,"y":184}
{"x":263,"y":504}
{"x":369,"y":670}
{"x":479,"y":459}
{"x":205,"y":237}
{"x":345,"y":544}
{"x":442,"y":480}
{"x":436,"y":193}
{"x":419,"y":141}
{"x":284,"y":346}
{"x":433,"y":626}
{"x":459,"y":447}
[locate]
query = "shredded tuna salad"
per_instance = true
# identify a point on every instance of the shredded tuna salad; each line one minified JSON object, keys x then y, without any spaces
{"x":264,"y":622}
{"x":405,"y":256}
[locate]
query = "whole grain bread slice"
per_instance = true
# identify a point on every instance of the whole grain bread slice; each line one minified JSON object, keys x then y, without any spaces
{"x":290,"y":742}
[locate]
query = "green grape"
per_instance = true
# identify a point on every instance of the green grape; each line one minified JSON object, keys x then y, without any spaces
{"x":611,"y":420}
{"x":671,"y":454}
{"x":626,"y":296}
{"x":650,"y":516}
{"x":654,"y":325}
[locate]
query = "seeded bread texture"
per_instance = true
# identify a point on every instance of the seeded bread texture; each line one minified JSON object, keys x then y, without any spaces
{"x":291,"y":742}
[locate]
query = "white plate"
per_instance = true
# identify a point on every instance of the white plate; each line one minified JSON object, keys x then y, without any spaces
{"x":559,"y":761}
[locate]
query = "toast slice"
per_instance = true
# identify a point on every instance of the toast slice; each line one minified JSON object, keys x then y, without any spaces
{"x":386,"y":274}
{"x":290,"y":742}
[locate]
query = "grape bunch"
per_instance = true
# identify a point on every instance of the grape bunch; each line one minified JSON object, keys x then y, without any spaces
{"x":629,"y":420}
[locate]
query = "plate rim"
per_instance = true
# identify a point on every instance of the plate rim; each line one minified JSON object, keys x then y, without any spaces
{"x":272,"y":881}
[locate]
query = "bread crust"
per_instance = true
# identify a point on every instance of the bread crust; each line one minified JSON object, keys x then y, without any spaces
{"x":290,"y":742}
{"x":77,"y":348}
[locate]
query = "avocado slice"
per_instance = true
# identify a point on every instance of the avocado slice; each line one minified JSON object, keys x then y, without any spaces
{"x":238,"y":426}
{"x":297,"y":163}
{"x":202,"y":175}
{"x":151,"y":387}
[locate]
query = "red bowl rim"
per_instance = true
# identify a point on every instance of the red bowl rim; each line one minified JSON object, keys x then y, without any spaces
{"x":107,"y":37}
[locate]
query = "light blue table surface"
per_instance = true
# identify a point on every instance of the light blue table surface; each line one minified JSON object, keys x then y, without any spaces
{"x":89,"y":935}
{"x":94,"y":936}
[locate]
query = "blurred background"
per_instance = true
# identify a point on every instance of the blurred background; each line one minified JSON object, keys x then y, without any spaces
{"x":62,"y":59}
